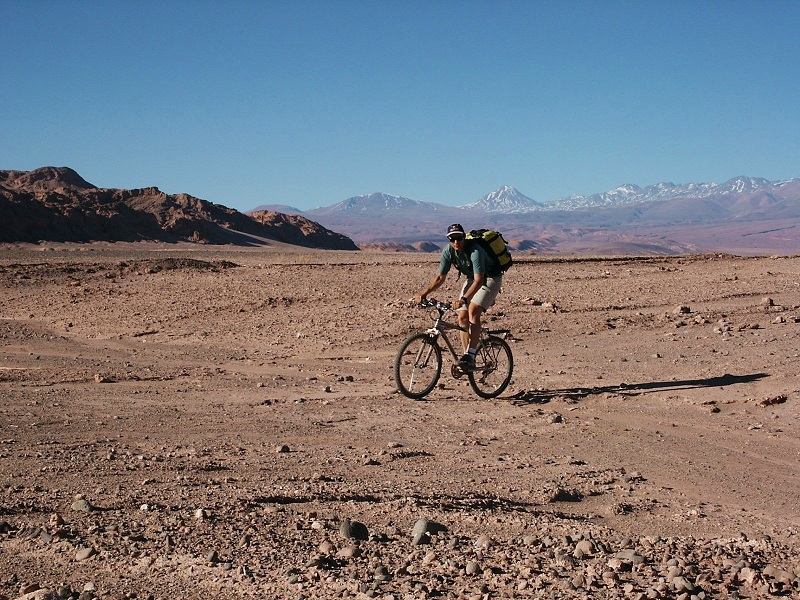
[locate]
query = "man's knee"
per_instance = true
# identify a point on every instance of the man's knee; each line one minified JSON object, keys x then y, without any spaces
{"x":475,"y":312}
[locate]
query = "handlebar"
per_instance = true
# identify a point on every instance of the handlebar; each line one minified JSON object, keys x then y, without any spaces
{"x":442,"y":306}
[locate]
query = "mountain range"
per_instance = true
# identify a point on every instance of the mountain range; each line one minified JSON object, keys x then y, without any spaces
{"x":744,"y":214}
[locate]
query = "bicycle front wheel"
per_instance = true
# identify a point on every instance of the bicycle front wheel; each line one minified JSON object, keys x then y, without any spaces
{"x":418,"y":366}
{"x":494,"y":364}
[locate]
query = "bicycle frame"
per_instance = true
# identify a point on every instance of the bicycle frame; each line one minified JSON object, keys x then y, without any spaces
{"x":439,"y":330}
{"x":440,"y":327}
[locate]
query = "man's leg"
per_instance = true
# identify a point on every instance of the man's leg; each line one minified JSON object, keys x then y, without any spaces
{"x":481,"y":301}
{"x":463,"y":321}
{"x":467,"y":362}
{"x":475,"y":312}
{"x":463,"y":317}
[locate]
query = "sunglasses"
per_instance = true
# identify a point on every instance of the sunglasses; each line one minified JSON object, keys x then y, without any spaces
{"x":455,"y":238}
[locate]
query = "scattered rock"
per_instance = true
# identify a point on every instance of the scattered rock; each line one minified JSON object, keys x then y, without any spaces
{"x":353,"y":530}
{"x":773,"y":400}
{"x":82,"y":505}
{"x":423,"y":526}
{"x":85,"y":553}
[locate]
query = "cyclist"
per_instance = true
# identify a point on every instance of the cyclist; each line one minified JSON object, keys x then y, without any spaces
{"x":479,"y":291}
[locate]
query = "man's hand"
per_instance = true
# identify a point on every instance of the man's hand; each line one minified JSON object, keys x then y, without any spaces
{"x":420,"y":298}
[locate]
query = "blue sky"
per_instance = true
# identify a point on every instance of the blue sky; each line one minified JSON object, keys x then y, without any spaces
{"x":308,"y":103}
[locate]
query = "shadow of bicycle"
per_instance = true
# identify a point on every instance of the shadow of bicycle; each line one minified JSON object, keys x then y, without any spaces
{"x":631,"y":389}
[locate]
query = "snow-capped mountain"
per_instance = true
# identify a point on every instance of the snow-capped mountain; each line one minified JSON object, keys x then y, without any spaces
{"x":506,"y":199}
{"x":633,"y":194}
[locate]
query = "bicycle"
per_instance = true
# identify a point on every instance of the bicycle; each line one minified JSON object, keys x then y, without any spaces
{"x":418,"y":365}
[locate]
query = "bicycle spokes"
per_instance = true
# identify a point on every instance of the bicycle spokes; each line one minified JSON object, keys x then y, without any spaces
{"x":418,"y":365}
{"x":494,"y":366}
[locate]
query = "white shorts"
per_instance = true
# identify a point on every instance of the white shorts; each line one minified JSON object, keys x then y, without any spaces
{"x":487,"y":293}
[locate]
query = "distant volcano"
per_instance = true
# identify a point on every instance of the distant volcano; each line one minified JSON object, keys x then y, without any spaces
{"x":506,"y":199}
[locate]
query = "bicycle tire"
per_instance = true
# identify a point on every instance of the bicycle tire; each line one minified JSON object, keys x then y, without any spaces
{"x":418,"y":366}
{"x":494,"y":365}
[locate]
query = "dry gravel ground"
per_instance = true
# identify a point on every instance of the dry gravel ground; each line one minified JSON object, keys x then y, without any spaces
{"x":194,"y":422}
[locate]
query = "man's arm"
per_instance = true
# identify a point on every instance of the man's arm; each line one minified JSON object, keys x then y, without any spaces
{"x":434,"y":285}
{"x":477,"y":282}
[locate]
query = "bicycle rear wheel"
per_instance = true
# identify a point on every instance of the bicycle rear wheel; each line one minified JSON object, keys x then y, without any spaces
{"x":494,"y":365}
{"x":418,"y":366}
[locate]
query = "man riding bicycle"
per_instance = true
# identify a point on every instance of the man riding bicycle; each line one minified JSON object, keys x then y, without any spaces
{"x":478,"y":293}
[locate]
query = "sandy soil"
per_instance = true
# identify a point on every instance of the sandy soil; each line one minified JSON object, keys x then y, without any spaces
{"x":186,"y":422}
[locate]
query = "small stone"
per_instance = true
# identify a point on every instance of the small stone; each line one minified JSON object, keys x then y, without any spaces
{"x":353,"y":530}
{"x":282,"y":449}
{"x":349,"y":552}
{"x":315,"y":561}
{"x":421,"y":539}
{"x":630,"y":556}
{"x":585,"y":548}
{"x":681,"y":584}
{"x":82,"y":505}
{"x":427,"y":526}
{"x":778,"y":574}
{"x":85,"y":553}
{"x":38,"y":594}
{"x":28,"y":588}
{"x":609,"y":577}
{"x":473,"y":568}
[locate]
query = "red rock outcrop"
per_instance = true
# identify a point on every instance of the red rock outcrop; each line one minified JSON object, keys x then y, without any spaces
{"x":56,"y":204}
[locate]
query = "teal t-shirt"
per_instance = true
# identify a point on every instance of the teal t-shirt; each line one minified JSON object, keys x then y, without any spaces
{"x":472,"y":260}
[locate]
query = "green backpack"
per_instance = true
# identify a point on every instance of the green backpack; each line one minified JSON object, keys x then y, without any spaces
{"x":495,"y":246}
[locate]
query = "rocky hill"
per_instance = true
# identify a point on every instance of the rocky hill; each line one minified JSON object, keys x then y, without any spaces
{"x":56,"y":204}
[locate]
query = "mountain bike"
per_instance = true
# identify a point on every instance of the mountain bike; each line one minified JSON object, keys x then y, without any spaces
{"x":418,"y":365}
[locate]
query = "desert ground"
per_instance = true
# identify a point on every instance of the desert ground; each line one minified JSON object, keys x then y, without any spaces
{"x":185,"y":421}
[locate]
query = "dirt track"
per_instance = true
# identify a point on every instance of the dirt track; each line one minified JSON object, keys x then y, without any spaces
{"x":226,"y":413}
